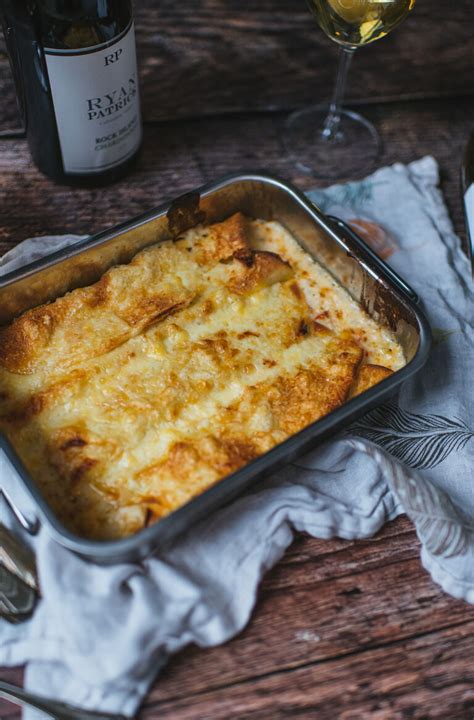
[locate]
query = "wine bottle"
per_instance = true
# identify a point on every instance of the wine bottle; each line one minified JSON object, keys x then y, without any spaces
{"x":353,"y":23}
{"x":75,"y":70}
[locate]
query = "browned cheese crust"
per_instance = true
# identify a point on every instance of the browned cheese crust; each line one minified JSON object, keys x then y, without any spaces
{"x":127,"y":398}
{"x":367,"y":377}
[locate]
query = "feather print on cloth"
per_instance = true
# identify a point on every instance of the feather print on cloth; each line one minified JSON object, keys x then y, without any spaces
{"x":419,"y":441}
{"x":439,"y":525}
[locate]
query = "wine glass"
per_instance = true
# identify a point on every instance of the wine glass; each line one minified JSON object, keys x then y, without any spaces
{"x":329,"y":142}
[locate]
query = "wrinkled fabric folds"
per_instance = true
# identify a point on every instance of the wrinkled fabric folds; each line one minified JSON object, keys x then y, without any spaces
{"x":101,"y":634}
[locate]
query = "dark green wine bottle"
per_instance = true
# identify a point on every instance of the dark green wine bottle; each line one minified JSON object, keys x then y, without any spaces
{"x":75,"y":69}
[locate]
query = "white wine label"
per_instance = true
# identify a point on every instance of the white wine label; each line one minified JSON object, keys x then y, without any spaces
{"x":96,"y":103}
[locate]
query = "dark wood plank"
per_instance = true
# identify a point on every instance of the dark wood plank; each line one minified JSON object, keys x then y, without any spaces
{"x":333,"y":603}
{"x":220,"y":56}
{"x":8,"y":711}
{"x":341,"y":630}
{"x":424,"y":678}
{"x":320,"y":559}
{"x":181,"y":155}
{"x":201,"y":57}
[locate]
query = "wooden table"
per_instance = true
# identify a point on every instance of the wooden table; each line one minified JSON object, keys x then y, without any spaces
{"x":341,"y":630}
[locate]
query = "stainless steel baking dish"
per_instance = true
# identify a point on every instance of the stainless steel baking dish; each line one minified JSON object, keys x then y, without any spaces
{"x":383,"y":295}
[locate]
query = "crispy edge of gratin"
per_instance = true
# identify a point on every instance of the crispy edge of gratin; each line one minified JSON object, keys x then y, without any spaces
{"x":296,"y":400}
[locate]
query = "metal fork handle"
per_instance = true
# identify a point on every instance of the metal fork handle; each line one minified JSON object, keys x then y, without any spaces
{"x":18,"y":582}
{"x":17,"y":557}
{"x":31,"y":525}
{"x":53,"y":708}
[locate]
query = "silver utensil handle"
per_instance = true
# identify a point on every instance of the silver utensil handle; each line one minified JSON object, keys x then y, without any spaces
{"x":30,"y":525}
{"x":52,"y":708}
{"x":18,"y":582}
{"x":17,"y":557}
{"x":17,"y":600}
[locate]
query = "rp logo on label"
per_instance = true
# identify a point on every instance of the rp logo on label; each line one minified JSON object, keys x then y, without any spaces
{"x":113,"y":57}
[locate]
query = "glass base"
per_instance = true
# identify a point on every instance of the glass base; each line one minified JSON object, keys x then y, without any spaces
{"x":349,"y":152}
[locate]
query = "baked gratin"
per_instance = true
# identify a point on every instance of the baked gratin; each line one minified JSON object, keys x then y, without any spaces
{"x":128,"y":397}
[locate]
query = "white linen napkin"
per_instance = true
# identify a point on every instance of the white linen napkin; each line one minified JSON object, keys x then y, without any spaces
{"x":100,"y":634}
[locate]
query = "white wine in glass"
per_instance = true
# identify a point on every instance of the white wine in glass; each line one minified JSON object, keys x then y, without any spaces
{"x":328,"y":143}
{"x":358,"y":22}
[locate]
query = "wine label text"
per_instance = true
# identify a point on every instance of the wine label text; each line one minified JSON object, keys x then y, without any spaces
{"x":112,"y":102}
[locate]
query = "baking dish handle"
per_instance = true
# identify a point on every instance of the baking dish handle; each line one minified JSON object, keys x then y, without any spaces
{"x":374,"y":258}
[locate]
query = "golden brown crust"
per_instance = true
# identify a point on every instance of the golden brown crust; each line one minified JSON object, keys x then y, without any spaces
{"x":221,"y":455}
{"x":25,"y":337}
{"x":190,"y":467}
{"x":94,"y":320}
{"x":220,"y":241}
{"x":300,"y":400}
{"x":291,"y":401}
{"x":229,"y":236}
{"x":78,"y":456}
{"x":127,"y":299}
{"x":129,"y":397}
{"x":257,"y":269}
{"x":368,"y":376}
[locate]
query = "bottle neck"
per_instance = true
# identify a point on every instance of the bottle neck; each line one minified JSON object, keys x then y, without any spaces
{"x":75,"y":24}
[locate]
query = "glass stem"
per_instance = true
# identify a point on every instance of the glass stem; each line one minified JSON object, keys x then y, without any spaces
{"x":333,"y":120}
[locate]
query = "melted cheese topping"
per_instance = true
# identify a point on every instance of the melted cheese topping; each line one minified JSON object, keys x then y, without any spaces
{"x":331,"y":303}
{"x":128,"y":397}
